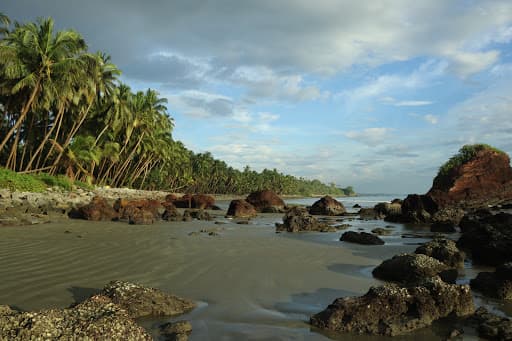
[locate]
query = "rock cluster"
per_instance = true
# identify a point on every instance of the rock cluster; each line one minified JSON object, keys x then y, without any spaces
{"x":491,"y":326}
{"x":297,"y":219}
{"x":109,"y":315}
{"x":496,"y":284}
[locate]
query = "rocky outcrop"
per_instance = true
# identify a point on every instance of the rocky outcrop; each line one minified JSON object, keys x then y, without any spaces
{"x":418,"y":208}
{"x":266,"y":201}
{"x":487,"y":237}
{"x":496,"y":284}
{"x":444,"y":250}
{"x":392,"y":310}
{"x":388,"y":211}
{"x":176,"y":331}
{"x":141,"y":216}
{"x":170,"y":212}
{"x":361,"y":238}
{"x":109,"y":315}
{"x":198,"y":214}
{"x":140,"y":301}
{"x":491,"y":326}
{"x":241,"y":209}
{"x":327,"y":206}
{"x":127,"y":208}
{"x":98,"y":209}
{"x":297,"y":219}
{"x":199,"y":201}
{"x":414,"y":268}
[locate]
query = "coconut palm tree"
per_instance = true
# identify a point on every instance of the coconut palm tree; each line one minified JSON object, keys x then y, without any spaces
{"x":4,"y":24}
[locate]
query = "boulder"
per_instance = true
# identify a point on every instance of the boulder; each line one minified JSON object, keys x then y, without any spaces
{"x":198,"y":214}
{"x":488,"y":237}
{"x":491,"y":326}
{"x":356,"y":206}
{"x":388,"y":211}
{"x":128,"y":208}
{"x":361,"y":238}
{"x":176,"y":331}
{"x":171,"y":197}
{"x":367,"y":213}
{"x":297,"y":219}
{"x":98,"y":209}
{"x":496,"y":284}
{"x":418,"y":208}
{"x":266,"y":200}
{"x":186,"y":216}
{"x":141,"y":216}
{"x":381,"y":231}
{"x":393,"y":310}
{"x":444,"y":250}
{"x":327,"y":206}
{"x":199,"y":201}
{"x":413,"y":268}
{"x":241,"y":209}
{"x":170,"y":213}
{"x":140,"y":301}
{"x":443,"y":227}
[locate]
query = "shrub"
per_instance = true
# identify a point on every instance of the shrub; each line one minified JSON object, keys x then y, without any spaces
{"x":20,"y":182}
{"x":61,"y":181}
{"x":465,"y":154}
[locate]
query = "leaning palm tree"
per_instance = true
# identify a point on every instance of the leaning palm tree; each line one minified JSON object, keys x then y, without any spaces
{"x":4,"y":24}
{"x":32,"y":57}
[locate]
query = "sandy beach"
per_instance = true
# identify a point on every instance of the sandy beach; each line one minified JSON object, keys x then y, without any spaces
{"x":251,"y":282}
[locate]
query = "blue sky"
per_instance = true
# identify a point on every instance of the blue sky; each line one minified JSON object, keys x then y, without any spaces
{"x":374,"y":94}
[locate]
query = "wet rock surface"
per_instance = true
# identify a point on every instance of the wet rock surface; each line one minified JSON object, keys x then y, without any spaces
{"x":393,"y":310}
{"x":491,"y":326}
{"x":364,"y":238}
{"x":327,"y":206}
{"x":413,"y":268}
{"x":176,"y":331}
{"x":97,"y":210}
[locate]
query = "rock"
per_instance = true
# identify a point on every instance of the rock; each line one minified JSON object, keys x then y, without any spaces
{"x":297,"y":219}
{"x":356,"y":206}
{"x":199,"y":201}
{"x":186,"y":216}
{"x":327,"y":206}
{"x":368,"y":214}
{"x":266,"y":200}
{"x":361,"y":238}
{"x":171,"y":197}
{"x":444,"y":250}
{"x":141,"y":216}
{"x":488,"y":237}
{"x":385,"y":210}
{"x":243,"y":222}
{"x":392,"y":310}
{"x":342,"y":226}
{"x":496,"y":284}
{"x":443,"y":227}
{"x":491,"y":326}
{"x":448,"y":215}
{"x":178,"y":331}
{"x":381,"y":232}
{"x":198,"y":214}
{"x":413,"y":268}
{"x":98,"y":209}
{"x":171,"y":213}
{"x":241,"y":209}
{"x":397,"y":201}
{"x":418,"y":209}
{"x":128,"y":208}
{"x":141,"y":301}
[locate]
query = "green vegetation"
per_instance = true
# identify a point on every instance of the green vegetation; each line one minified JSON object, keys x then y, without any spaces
{"x":465,"y":154}
{"x":20,"y":182}
{"x":63,"y":110}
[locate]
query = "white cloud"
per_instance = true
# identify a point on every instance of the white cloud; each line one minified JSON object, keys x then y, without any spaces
{"x":432,"y":119}
{"x":203,"y":104}
{"x":467,"y":63}
{"x":369,"y":136}
{"x":411,"y":103}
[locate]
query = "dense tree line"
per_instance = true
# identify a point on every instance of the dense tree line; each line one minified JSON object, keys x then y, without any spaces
{"x":64,"y":111}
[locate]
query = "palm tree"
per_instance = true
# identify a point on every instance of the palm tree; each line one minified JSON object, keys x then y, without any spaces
{"x":4,"y":24}
{"x":32,"y":57}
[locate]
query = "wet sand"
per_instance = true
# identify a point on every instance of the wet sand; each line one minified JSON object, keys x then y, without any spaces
{"x":251,"y":282}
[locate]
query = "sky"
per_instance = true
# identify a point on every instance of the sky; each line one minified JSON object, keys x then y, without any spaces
{"x":373,"y":94}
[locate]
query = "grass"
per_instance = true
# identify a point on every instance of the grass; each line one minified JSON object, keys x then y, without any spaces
{"x":37,"y":182}
{"x":465,"y":154}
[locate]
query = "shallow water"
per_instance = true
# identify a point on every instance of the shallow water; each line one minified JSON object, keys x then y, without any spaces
{"x":251,"y":282}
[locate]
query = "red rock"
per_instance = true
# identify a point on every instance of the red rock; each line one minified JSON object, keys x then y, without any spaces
{"x":241,"y":209}
{"x":200,"y":201}
{"x":127,"y":208}
{"x":327,"y":206}
{"x":266,"y":200}
{"x":98,"y":209}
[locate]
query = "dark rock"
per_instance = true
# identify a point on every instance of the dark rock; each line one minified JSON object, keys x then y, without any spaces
{"x":171,"y":213}
{"x":448,"y":215}
{"x":443,"y":227}
{"x":496,"y":284}
{"x":356,"y":206}
{"x":266,"y":199}
{"x":368,"y":214}
{"x":241,"y":209}
{"x":98,"y":209}
{"x":199,"y":201}
{"x":381,"y":232}
{"x":491,"y":326}
{"x":361,"y":238}
{"x":297,"y":219}
{"x":488,"y":237}
{"x":397,"y":201}
{"x":327,"y":206}
{"x":176,"y":331}
{"x":413,"y":268}
{"x":198,"y":214}
{"x":141,"y":301}
{"x":385,"y":210}
{"x":444,"y":250}
{"x":342,"y":226}
{"x":243,"y":222}
{"x":186,"y":216}
{"x":393,"y":310}
{"x":171,"y":197}
{"x":128,"y":208}
{"x":418,"y":208}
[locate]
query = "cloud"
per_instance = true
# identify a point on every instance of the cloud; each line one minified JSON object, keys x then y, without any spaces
{"x":465,"y":64}
{"x":202,"y":104}
{"x":411,"y":103}
{"x":369,"y":136}
{"x":432,"y":119}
